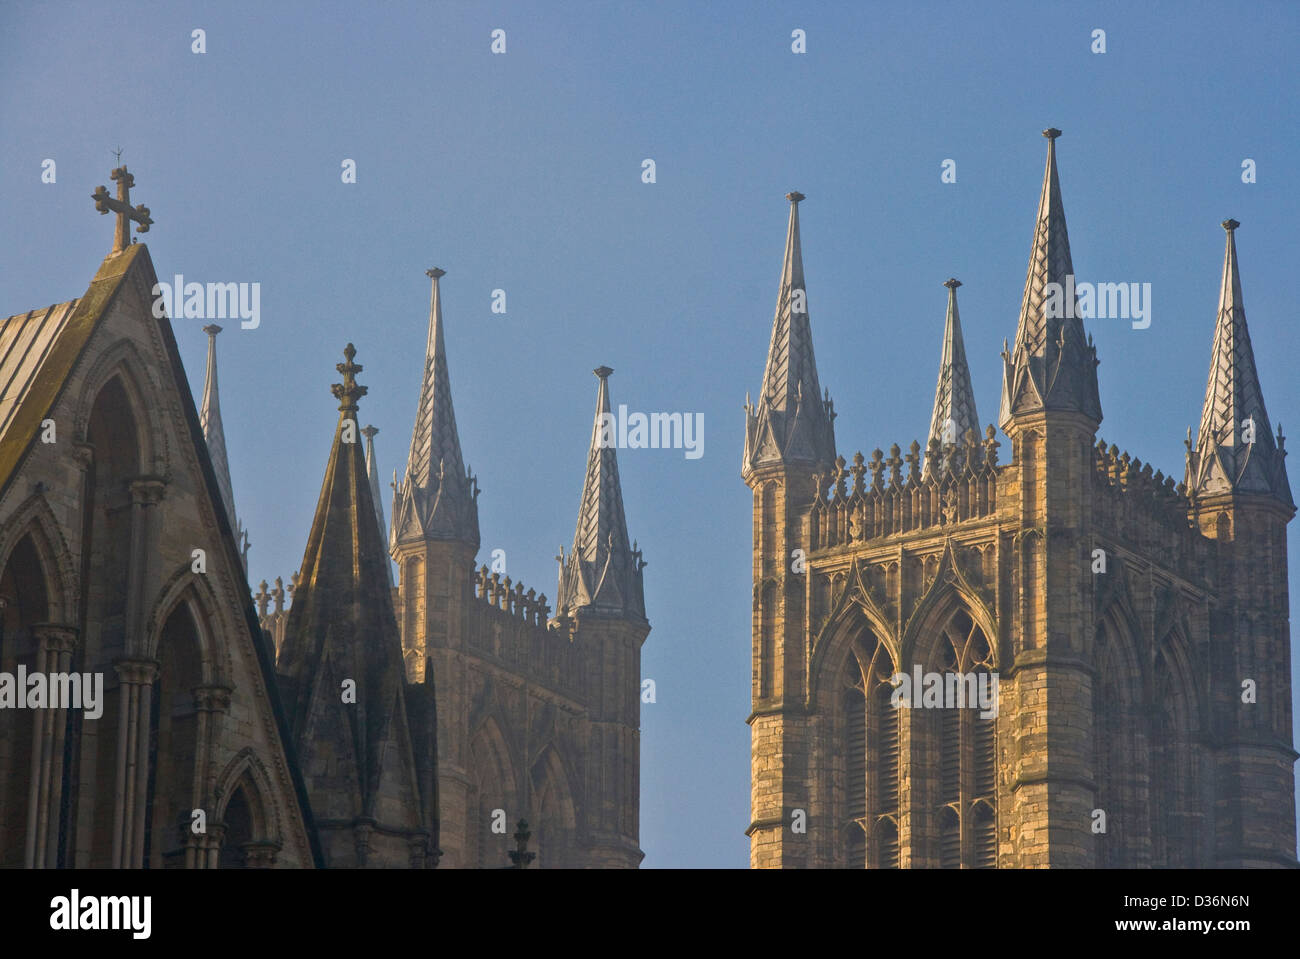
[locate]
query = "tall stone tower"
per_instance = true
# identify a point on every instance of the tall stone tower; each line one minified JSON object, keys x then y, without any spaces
{"x":1135,"y":632}
{"x":602,"y":610}
{"x":538,"y":716}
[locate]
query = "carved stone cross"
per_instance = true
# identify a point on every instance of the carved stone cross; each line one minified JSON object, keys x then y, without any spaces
{"x":122,"y":207}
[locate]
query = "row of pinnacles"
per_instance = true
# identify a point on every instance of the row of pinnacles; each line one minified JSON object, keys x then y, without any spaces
{"x":1139,"y":626}
{"x":531,"y":715}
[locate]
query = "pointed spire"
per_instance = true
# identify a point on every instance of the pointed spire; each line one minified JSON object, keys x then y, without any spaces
{"x":1235,"y":448}
{"x":372,"y":471}
{"x":215,"y":436}
{"x":342,"y":626}
{"x":1052,"y":366}
{"x":602,"y":571}
{"x":954,"y":399}
{"x":436,"y":499}
{"x":792,"y":421}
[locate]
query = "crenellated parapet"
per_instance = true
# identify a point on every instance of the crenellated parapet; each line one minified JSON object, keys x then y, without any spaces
{"x":1144,"y":509}
{"x":500,"y":593}
{"x":872,"y":498}
{"x":507,"y":624}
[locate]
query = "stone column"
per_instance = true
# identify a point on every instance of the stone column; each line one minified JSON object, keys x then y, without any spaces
{"x":211,"y":703}
{"x":54,"y":655}
{"x":135,"y":698}
{"x":210,"y":845}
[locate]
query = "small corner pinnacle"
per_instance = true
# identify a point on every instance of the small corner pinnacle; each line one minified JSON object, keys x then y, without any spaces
{"x":952,"y":283}
{"x":1230,"y":225}
{"x":212,"y":329}
{"x":1051,"y":133}
{"x":602,"y":371}
{"x":794,"y":196}
{"x":435,"y":272}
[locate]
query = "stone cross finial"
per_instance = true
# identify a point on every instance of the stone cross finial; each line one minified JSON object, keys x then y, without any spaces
{"x":122,"y":207}
{"x":349,"y":391}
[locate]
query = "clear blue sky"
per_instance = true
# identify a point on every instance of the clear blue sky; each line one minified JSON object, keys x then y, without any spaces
{"x":523,"y":172}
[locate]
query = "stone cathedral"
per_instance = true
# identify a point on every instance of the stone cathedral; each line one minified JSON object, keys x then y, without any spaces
{"x":1137,"y":627}
{"x":371,"y":723}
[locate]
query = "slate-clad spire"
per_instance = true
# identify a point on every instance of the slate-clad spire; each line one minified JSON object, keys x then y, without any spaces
{"x":1235,"y":448}
{"x":1052,"y":366}
{"x":792,"y":421}
{"x":372,"y":472}
{"x":342,"y":627}
{"x":602,"y":572}
{"x":215,"y":435}
{"x":954,"y":400}
{"x":437,"y":499}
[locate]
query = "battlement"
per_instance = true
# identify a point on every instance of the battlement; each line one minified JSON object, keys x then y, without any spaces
{"x":957,"y":483}
{"x":1146,"y":510}
{"x":507,"y":624}
{"x":491,"y":589}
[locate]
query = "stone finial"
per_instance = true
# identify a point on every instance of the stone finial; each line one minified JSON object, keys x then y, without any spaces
{"x":349,"y":391}
{"x":603,"y":372}
{"x":859,"y":472}
{"x":952,"y":283}
{"x":794,"y":196}
{"x":1230,"y":225}
{"x":1051,"y":133}
{"x":434,"y":273}
{"x":520,"y":857}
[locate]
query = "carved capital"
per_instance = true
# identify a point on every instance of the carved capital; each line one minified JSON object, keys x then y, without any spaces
{"x":56,"y":637}
{"x":136,"y":672}
{"x":212,"y":699}
{"x":261,"y":853}
{"x":83,"y":454}
{"x":147,"y":490}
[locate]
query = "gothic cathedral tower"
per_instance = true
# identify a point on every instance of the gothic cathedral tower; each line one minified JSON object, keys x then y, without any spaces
{"x":1134,"y":632}
{"x":538,"y":716}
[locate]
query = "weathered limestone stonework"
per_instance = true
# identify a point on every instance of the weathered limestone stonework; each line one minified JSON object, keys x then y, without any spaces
{"x":1121,"y":613}
{"x":119,"y":558}
{"x":369,"y":724}
{"x":538,"y":715}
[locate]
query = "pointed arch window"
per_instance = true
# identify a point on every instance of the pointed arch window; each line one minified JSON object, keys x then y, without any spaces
{"x":1174,"y":779}
{"x":1116,"y":747}
{"x":869,"y":746}
{"x":964,"y":748}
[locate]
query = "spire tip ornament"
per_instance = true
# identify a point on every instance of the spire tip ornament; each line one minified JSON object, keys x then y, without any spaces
{"x":122,"y":207}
